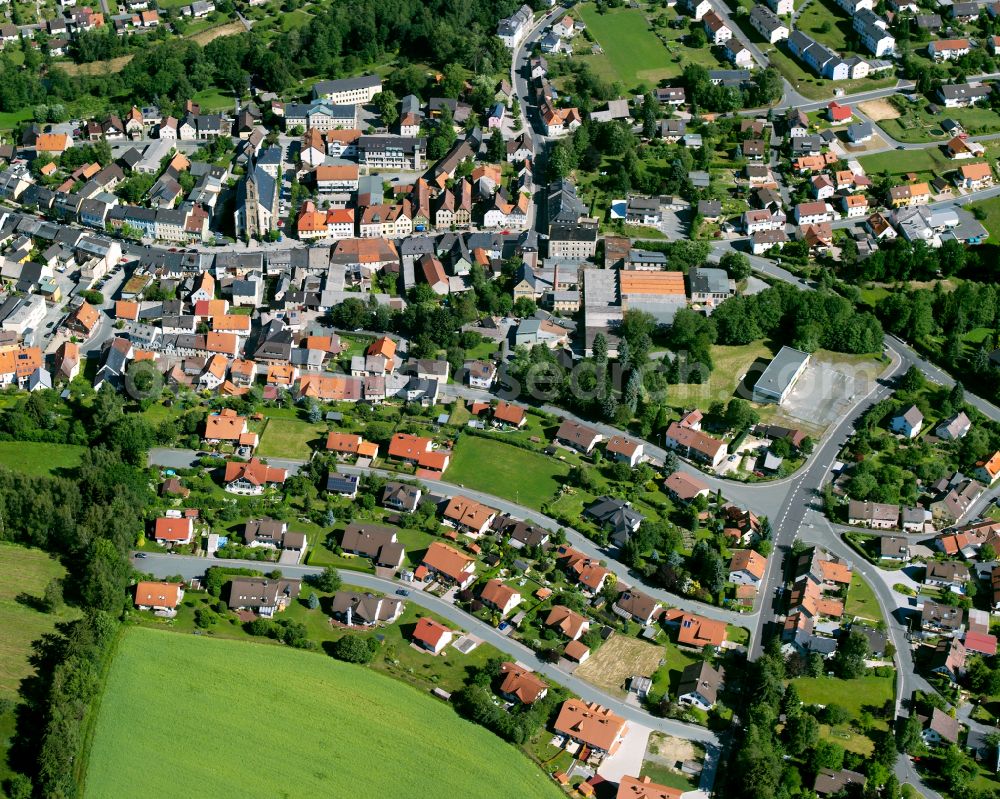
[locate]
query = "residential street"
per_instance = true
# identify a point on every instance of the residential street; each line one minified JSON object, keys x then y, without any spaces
{"x":189,"y":566}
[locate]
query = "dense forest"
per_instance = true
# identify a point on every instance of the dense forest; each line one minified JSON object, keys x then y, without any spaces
{"x":341,"y":41}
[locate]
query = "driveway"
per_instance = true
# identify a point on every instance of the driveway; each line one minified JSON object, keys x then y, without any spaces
{"x":628,"y":759}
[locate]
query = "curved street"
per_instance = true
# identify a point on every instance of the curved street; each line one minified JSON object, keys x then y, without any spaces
{"x":191,"y":566}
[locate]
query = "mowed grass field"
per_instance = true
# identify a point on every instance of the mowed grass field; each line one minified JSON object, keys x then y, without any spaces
{"x":38,"y":458}
{"x":991,"y":208}
{"x":852,"y":695}
{"x":925,"y":163}
{"x":289,"y":438}
{"x":728,"y":365}
{"x":191,"y":716}
{"x":631,"y":48}
{"x":861,"y":600}
{"x":528,"y":478}
{"x":25,"y":571}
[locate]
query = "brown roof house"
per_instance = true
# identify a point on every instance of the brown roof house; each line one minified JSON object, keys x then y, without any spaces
{"x":578,"y":436}
{"x":625,"y":450}
{"x":375,"y":542}
{"x":949,"y":658}
{"x":364,"y":610}
{"x":262,"y":595}
{"x":940,"y":728}
{"x":521,"y":684}
{"x":468,"y":516}
{"x":686,"y":487}
{"x":939,"y":619}
{"x":633,"y":604}
{"x":830,"y":782}
{"x":948,"y":574}
{"x":700,"y":685}
{"x":877,"y":515}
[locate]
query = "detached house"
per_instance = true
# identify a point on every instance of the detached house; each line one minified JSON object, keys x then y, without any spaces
{"x":521,"y":684}
{"x":251,"y":477}
{"x":468,"y":516}
{"x":947,"y":574}
{"x":447,"y":565}
{"x":501,"y":598}
{"x":568,"y":622}
{"x":173,"y":530}
{"x":747,"y":568}
{"x":591,"y":725}
{"x":264,"y":596}
{"x":161,"y":597}
{"x":908,"y":423}
{"x":640,"y":607}
{"x":578,"y":436}
{"x":700,"y":686}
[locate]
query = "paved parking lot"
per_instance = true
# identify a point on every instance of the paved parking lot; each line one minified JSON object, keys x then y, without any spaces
{"x":824,"y":393}
{"x":628,"y":759}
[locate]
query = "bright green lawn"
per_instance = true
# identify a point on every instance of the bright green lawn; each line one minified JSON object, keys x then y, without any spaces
{"x":528,"y":478}
{"x":319,"y":727}
{"x":11,"y":119}
{"x":861,"y":600}
{"x":290,"y":438}
{"x":212,"y":100}
{"x":926,"y":162}
{"x":991,"y":221}
{"x":27,"y":572}
{"x":632,"y":51}
{"x":852,"y":695}
{"x":39,"y":458}
{"x":819,"y":14}
{"x":917,"y":124}
{"x":729,"y":364}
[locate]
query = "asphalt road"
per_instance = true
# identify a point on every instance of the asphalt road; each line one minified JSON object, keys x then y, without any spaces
{"x":189,"y":566}
{"x":179,"y":459}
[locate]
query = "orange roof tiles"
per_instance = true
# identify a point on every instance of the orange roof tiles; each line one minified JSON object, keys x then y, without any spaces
{"x":86,"y":316}
{"x":509,"y":413}
{"x":159,"y":595}
{"x":641,"y":282}
{"x":255,"y":472}
{"x":749,"y":561}
{"x":225,"y":426}
{"x":127,"y":309}
{"x":591,"y":723}
{"x":448,"y":561}
{"x":979,"y":171}
{"x":468,"y":513}
{"x":408,"y":447}
{"x":698,"y":631}
{"x":835,"y":572}
{"x":383,"y":346}
{"x":337,"y":172}
{"x":172,"y":529}
{"x":644,"y":788}
{"x":522,"y":683}
{"x":343,"y":442}
{"x":568,"y":622}
{"x":52,"y":143}
{"x":430,"y":632}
